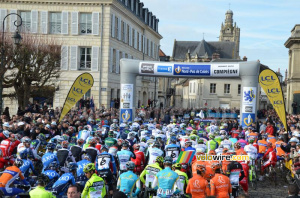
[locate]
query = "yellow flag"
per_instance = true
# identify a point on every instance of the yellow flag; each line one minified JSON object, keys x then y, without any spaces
{"x":269,"y":81}
{"x":81,"y":85}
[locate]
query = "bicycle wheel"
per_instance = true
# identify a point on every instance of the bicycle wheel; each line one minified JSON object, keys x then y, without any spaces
{"x":254,"y":179}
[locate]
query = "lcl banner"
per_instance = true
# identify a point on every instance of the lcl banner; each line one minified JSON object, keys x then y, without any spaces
{"x":269,"y":81}
{"x":81,"y":85}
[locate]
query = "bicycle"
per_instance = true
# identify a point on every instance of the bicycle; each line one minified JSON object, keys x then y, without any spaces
{"x":252,"y":174}
{"x":272,"y":174}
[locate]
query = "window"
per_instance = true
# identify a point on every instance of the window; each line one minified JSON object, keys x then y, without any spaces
{"x":128,"y":35}
{"x":123,"y":31}
{"x":194,"y":87}
{"x":116,"y":27}
{"x":26,"y":21}
{"x":85,"y":58}
{"x":133,"y":37}
{"x":114,"y":61}
{"x":138,"y":40}
{"x":212,"y":88}
{"x":190,"y":87}
{"x":87,"y":94}
{"x":55,"y":23}
{"x":151,"y":48}
{"x":227,"y":88}
{"x":239,"y":89}
{"x":85,"y":23}
{"x":111,"y":26}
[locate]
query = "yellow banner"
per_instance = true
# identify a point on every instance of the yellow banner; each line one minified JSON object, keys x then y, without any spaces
{"x":269,"y":81}
{"x":81,"y":85}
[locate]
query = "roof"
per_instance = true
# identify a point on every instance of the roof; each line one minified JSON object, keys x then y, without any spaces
{"x":161,"y":53}
{"x":203,"y":49}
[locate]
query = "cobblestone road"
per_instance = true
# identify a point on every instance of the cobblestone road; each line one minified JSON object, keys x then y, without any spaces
{"x":266,"y":189}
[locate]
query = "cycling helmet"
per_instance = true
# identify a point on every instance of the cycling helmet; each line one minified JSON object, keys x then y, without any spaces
{"x":6,"y":133}
{"x":50,"y":146}
{"x":125,"y":144}
{"x":92,"y":133}
{"x":293,"y":139}
{"x":211,"y":136}
{"x":189,"y":143}
{"x":159,"y":159}
{"x":53,"y":140}
{"x":156,"y":144}
{"x":93,"y":141}
{"x":152,"y":137}
{"x":65,"y":144}
{"x":264,"y":136}
{"x":110,"y":133}
{"x":80,"y":141}
{"x":73,"y":139}
{"x":131,"y":134}
{"x":73,"y":166}
{"x":130,"y":165}
{"x":104,"y":148}
{"x":26,"y":140}
{"x":237,"y":145}
{"x":168,"y":160}
{"x":58,"y":147}
{"x":41,"y":137}
{"x":136,"y":146}
{"x":176,"y":166}
{"x":70,"y":129}
{"x":173,"y":141}
{"x":53,"y":165}
{"x":18,"y":162}
{"x":212,"y":152}
{"x":143,"y":140}
{"x":43,"y":179}
{"x":87,"y":157}
{"x":115,"y":121}
{"x":280,"y":137}
{"x":86,"y":127}
{"x":193,"y":138}
{"x":89,"y":167}
{"x":200,"y":167}
{"x":216,"y":166}
{"x":241,"y":135}
{"x":66,"y":137}
{"x":269,"y":144}
{"x":23,"y":154}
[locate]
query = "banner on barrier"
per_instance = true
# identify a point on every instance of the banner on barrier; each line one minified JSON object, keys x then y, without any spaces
{"x":270,"y":83}
{"x":81,"y":85}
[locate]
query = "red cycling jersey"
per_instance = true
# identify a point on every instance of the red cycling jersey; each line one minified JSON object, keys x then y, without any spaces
{"x":139,"y":161}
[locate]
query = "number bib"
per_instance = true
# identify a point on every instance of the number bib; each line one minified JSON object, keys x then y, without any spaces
{"x":164,"y":192}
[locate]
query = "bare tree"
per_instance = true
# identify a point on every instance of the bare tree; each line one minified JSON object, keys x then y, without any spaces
{"x":35,"y":63}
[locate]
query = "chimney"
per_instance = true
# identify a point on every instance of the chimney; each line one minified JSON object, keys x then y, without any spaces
{"x":245,"y":58}
{"x":215,"y":56}
{"x":278,"y":70}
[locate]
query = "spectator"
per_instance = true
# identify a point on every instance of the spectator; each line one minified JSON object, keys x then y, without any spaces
{"x":293,"y":191}
{"x":74,"y":191}
{"x":6,"y":112}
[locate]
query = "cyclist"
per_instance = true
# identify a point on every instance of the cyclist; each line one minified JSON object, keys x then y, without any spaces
{"x":197,"y":185}
{"x":183,"y":178}
{"x":52,"y":174}
{"x":64,"y":155}
{"x":201,"y":144}
{"x":7,"y":146}
{"x":173,"y":150}
{"x":27,"y":165}
{"x":279,"y":152}
{"x":128,"y":180}
{"x":124,"y":156}
{"x":143,"y":145}
{"x":49,"y":156}
{"x":166,"y":181}
{"x":154,"y":152}
{"x":81,"y":178}
{"x":150,"y":171}
{"x":10,"y":174}
{"x":238,"y":149}
{"x":84,"y":134}
{"x":211,"y":143}
{"x":95,"y":186}
{"x":244,"y":181}
{"x":262,"y":146}
{"x":188,"y":146}
{"x":252,"y":134}
{"x":251,"y":151}
{"x":271,"y":157}
{"x":220,"y":184}
{"x":103,"y":163}
{"x":140,"y":159}
{"x":91,"y":150}
{"x":110,"y":140}
{"x":236,"y":174}
{"x":77,"y":149}
{"x":241,"y":140}
{"x":227,"y":143}
{"x":39,"y":191}
{"x":60,"y":187}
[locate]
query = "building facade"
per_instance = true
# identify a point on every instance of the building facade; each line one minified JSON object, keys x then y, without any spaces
{"x":94,"y":36}
{"x":293,"y":75}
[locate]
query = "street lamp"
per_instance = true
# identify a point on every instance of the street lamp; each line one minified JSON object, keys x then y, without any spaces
{"x":17,"y":39}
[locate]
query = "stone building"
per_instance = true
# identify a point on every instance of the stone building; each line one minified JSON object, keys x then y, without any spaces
{"x":293,"y":76}
{"x":95,"y":35}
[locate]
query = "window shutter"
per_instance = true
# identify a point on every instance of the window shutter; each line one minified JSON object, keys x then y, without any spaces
{"x":140,"y":42}
{"x":34,"y":21}
{"x":125,"y":29}
{"x":44,"y":22}
{"x":13,"y":18}
{"x":123,"y":54}
{"x":113,"y":26}
{"x":119,"y":28}
{"x":65,"y":22}
{"x":3,"y":13}
{"x":64,"y":58}
{"x":95,"y":23}
{"x":130,"y":36}
{"x":117,"y":62}
{"x":126,"y":2}
{"x":157,"y":52}
{"x":74,"y":23}
{"x":74,"y":59}
{"x":111,"y":59}
{"x":143,"y":37}
{"x":135,"y":40}
{"x":95,"y":58}
{"x":152,"y":49}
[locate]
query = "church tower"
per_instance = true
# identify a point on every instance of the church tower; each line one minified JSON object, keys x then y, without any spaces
{"x":231,"y":33}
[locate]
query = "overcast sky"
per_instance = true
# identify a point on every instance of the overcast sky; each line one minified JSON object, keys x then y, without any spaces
{"x":265,"y":25}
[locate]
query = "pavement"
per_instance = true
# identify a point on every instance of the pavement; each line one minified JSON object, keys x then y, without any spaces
{"x":267,"y":189}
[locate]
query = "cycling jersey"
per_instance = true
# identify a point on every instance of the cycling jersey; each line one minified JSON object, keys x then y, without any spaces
{"x":271,"y":139}
{"x":79,"y":172}
{"x":104,"y":161}
{"x":83,"y":134}
{"x":110,"y":141}
{"x":233,"y":140}
{"x":183,"y":140}
{"x":242,"y":142}
{"x":183,"y":180}
{"x":166,"y":182}
{"x":139,"y":161}
{"x":47,"y":159}
{"x":253,"y":135}
{"x":198,"y":187}
{"x":227,"y":144}
{"x":40,"y":192}
{"x":93,"y":152}
{"x":76,"y":151}
{"x":218,"y":139}
{"x":153,"y":153}
{"x":94,"y":187}
{"x":251,"y":151}
{"x":126,"y":183}
{"x":211,"y":145}
{"x":27,"y":165}
{"x":173,"y":151}
{"x":150,"y":171}
{"x":113,"y":150}
{"x":244,"y":181}
{"x":61,"y":186}
{"x":220,"y":186}
{"x":123,"y":157}
{"x":143,"y":147}
{"x":64,"y":155}
{"x":53,"y":177}
{"x":201,"y":146}
{"x":235,"y":169}
{"x":262,"y":146}
{"x":279,"y":151}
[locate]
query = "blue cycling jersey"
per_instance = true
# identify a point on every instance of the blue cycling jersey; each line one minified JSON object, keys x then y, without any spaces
{"x":124,"y":156}
{"x":27,"y":164}
{"x":104,"y":160}
{"x":166,"y":180}
{"x":126,"y":183}
{"x":189,"y":149}
{"x":47,"y":159}
{"x":62,"y":184}
{"x":53,"y":177}
{"x":81,"y":164}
